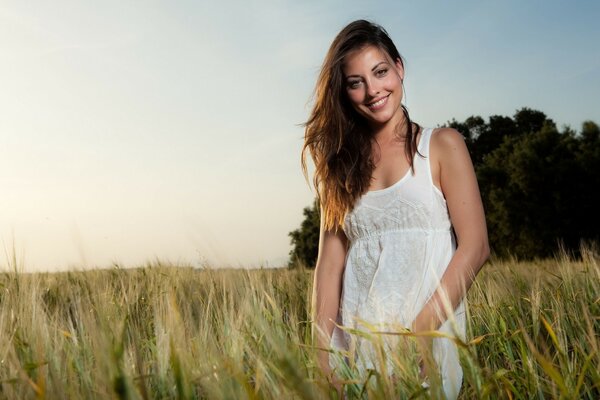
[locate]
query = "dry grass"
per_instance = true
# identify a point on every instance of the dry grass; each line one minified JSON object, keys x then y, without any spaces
{"x":175,"y":332}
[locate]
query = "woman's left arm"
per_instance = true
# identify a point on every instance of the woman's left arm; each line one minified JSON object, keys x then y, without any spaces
{"x":459,"y":186}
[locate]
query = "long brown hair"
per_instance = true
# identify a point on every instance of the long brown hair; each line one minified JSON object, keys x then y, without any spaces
{"x":339,"y":139}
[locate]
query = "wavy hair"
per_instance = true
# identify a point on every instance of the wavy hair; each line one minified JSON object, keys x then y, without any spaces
{"x":338,"y":138}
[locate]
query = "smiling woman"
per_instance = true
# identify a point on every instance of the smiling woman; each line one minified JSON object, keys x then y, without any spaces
{"x":413,"y":233}
{"x":374,"y":85}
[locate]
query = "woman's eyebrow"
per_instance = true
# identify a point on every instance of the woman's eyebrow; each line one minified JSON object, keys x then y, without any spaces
{"x":378,"y":64}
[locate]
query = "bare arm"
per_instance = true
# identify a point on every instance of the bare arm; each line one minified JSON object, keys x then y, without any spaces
{"x":327,"y":288}
{"x":459,"y":185}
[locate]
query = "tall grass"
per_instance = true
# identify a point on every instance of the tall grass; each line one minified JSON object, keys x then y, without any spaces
{"x":175,"y":332}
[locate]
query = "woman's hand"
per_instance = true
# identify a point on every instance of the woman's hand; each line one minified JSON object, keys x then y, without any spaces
{"x":425,"y":356}
{"x":332,"y":378}
{"x":338,"y":385}
{"x":334,"y":381}
{"x":422,"y":372}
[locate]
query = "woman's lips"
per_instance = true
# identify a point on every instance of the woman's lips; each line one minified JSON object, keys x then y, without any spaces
{"x":376,"y":105}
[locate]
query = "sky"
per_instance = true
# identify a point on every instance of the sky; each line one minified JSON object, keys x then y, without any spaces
{"x":135,"y":133}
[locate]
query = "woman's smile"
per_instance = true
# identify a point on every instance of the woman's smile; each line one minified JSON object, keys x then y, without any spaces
{"x":378,"y":104}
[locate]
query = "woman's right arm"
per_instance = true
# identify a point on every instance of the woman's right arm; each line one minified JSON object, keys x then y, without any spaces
{"x":327,"y":288}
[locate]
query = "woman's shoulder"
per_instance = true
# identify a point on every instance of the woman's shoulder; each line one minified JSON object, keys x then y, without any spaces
{"x":446,"y":137}
{"x":447,"y":142}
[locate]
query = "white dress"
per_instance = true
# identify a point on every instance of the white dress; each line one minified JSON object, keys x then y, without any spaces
{"x":400,"y":243}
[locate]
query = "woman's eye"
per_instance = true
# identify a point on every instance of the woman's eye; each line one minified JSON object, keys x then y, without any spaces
{"x":381,"y":72}
{"x":353,"y":84}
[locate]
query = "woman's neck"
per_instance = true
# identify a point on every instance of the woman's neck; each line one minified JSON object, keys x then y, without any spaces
{"x":391,"y":131}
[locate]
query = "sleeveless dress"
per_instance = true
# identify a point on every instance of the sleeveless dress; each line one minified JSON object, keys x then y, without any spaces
{"x":400,"y":243}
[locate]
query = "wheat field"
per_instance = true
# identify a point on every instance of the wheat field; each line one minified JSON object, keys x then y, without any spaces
{"x":163,"y":331}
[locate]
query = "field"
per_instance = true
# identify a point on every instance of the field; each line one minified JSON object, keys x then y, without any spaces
{"x":175,"y":332}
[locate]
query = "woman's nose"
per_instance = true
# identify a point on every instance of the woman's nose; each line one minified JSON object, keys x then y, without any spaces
{"x":372,"y":89}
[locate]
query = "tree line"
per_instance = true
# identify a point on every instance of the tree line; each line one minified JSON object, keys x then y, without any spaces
{"x":538,"y":183}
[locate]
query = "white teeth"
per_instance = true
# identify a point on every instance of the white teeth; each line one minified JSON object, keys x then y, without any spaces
{"x":378,"y":103}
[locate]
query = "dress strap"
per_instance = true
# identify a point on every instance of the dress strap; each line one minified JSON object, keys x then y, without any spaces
{"x":422,"y":162}
{"x":424,"y":142}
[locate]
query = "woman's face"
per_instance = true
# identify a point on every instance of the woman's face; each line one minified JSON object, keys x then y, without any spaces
{"x":374,"y":85}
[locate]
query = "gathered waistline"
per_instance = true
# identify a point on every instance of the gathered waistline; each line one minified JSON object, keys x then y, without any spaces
{"x":426,"y":231}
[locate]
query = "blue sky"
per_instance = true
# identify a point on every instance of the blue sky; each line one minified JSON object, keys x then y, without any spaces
{"x":170,"y":130}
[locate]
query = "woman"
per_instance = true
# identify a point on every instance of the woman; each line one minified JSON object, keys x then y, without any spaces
{"x":403,"y":231}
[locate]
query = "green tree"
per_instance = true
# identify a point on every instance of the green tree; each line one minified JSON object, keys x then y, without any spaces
{"x":536,"y":191}
{"x":305,"y":240}
{"x":528,"y":120}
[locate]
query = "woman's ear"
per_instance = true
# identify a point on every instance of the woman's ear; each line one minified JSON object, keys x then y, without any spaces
{"x":400,"y":69}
